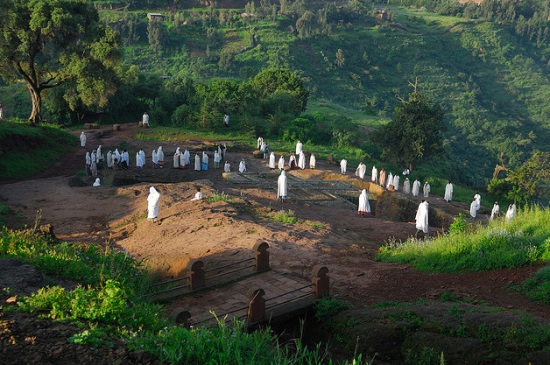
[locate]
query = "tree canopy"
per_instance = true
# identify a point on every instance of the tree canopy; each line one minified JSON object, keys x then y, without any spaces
{"x":48,"y":43}
{"x":415,"y":133}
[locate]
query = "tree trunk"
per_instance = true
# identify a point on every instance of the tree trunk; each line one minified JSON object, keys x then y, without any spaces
{"x":36,"y":114}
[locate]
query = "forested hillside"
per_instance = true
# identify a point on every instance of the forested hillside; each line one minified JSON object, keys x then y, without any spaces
{"x":487,"y":65}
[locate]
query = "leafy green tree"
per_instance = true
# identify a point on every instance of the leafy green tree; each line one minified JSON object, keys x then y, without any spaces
{"x":415,"y":133}
{"x":47,"y":43}
{"x":279,"y":80}
{"x":533,"y":177}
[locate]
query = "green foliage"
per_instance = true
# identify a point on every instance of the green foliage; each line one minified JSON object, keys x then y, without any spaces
{"x":47,"y":43}
{"x":221,"y":197}
{"x":19,"y":145}
{"x":459,"y":224}
{"x":522,"y":241}
{"x":414,"y":134}
{"x":284,"y":217}
{"x":327,"y":308}
{"x":538,"y":287}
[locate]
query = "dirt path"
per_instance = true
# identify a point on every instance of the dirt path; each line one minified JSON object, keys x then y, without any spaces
{"x":327,"y":234}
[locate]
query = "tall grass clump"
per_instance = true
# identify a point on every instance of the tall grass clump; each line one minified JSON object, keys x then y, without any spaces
{"x":538,"y":287}
{"x":502,"y":244}
{"x":284,"y":217}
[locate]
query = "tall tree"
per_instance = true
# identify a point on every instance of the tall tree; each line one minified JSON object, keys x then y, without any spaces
{"x":415,"y":133}
{"x":47,"y":43}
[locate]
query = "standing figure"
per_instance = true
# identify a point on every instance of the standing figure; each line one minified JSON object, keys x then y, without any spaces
{"x":204,"y":161}
{"x":396,"y":182}
{"x":153,"y":204}
{"x":272,"y":161}
{"x":186,"y":158}
{"x":374,"y":174}
{"x":242,"y":166}
{"x":282,"y":187}
{"x":407,"y":186}
{"x":495,"y":212}
{"x":227,"y":167}
{"x":299,"y":146}
{"x":422,"y":218}
{"x":302,"y":160}
{"x":260,"y":143}
{"x":160,"y":156}
{"x":292,"y":161}
{"x":477,"y":198}
{"x":382,"y":179}
{"x":266,"y":150}
{"x":197,"y":162}
{"x":281,"y":163}
{"x":416,"y":187}
{"x":226,"y":120}
{"x":473,"y":208}
{"x":93,"y":168}
{"x":390,"y":181}
{"x":448,"y":192}
{"x":312,"y":161}
{"x":426,"y":189}
{"x":511,"y":212}
{"x":155,"y":161}
{"x":88,"y":163}
{"x":145,"y":120}
{"x":364,"y":206}
{"x":126,"y":159}
{"x":139,"y":162}
{"x":1,"y":112}
{"x":343,"y":166}
{"x":82,"y":140}
{"x":217,"y":159}
{"x":177,"y":157}
{"x":361,"y":170}
{"x":109,"y":159}
{"x":142,"y":153}
{"x":224,"y":151}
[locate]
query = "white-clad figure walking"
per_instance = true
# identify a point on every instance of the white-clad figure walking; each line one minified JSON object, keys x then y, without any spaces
{"x":282,"y":187}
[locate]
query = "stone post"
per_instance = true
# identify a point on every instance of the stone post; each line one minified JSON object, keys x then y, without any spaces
{"x":181,"y":317}
{"x":256,"y":306}
{"x":261,"y":257}
{"x":320,"y":282}
{"x":196,"y":274}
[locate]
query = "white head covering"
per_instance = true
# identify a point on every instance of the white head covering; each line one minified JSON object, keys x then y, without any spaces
{"x":97,"y":182}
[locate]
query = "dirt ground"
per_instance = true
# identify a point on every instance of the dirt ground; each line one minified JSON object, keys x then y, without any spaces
{"x":327,"y":234}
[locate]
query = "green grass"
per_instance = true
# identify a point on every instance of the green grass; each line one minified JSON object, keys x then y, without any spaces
{"x":283,"y":217}
{"x":218,"y":197}
{"x":538,"y":287}
{"x":502,"y":244}
{"x":28,"y":150}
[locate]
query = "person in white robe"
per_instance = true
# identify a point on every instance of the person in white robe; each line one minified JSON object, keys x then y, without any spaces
{"x":160,"y":156}
{"x":396,"y":182}
{"x":142,"y":153}
{"x":242,"y":166}
{"x":374,"y":174}
{"x":182,"y":160}
{"x":511,"y":212}
{"x":426,"y":189}
{"x":220,"y":152}
{"x":82,"y":139}
{"x":364,"y":205}
{"x":390,"y":181}
{"x":110,"y":159}
{"x":93,"y":168}
{"x":153,"y":204}
{"x":260,"y":143}
{"x":99,"y":156}
{"x":139,"y":161}
{"x":292,"y":161}
{"x":224,"y":151}
{"x":93,"y":157}
{"x":407,"y":186}
{"x":272,"y":161}
{"x":495,"y":212}
{"x":176,"y":159}
{"x":302,"y":160}
{"x":299,"y":146}
{"x":88,"y":163}
{"x":477,"y":198}
{"x":448,"y":192}
{"x":186,"y":158}
{"x":422,"y":218}
{"x":343,"y":166}
{"x":204,"y":161}
{"x":125,"y":158}
{"x":312,"y":161}
{"x":116,"y":158}
{"x":361,"y":170}
{"x":155,"y":159}
{"x":416,"y":187}
{"x":227,"y":167}
{"x":217,"y":160}
{"x":282,"y":187}
{"x":281,"y":163}
{"x":264,"y":149}
{"x":197,"y":162}
{"x":198,"y":195}
{"x":473,"y":209}
{"x":382,"y":179}
{"x":97,"y":182}
{"x":145,"y":120}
